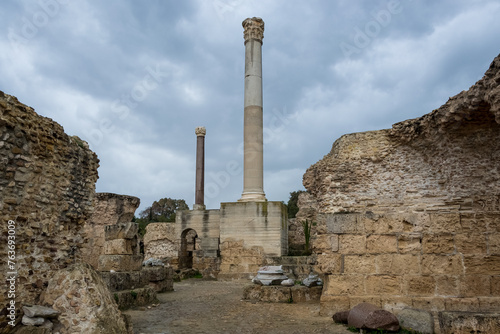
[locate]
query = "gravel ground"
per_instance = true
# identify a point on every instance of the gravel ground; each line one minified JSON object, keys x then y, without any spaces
{"x":198,"y":306}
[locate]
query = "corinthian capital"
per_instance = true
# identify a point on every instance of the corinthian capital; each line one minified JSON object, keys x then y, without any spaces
{"x":200,"y":131}
{"x":254,"y":29}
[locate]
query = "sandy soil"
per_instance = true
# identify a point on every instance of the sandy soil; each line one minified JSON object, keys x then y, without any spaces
{"x":198,"y":306}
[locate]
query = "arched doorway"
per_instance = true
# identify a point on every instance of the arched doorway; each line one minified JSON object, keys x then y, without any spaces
{"x":188,"y":247}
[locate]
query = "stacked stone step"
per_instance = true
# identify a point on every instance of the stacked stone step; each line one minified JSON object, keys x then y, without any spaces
{"x":121,"y":248}
{"x":122,"y":270}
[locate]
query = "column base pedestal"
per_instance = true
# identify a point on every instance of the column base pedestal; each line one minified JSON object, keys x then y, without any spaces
{"x":253,"y":197}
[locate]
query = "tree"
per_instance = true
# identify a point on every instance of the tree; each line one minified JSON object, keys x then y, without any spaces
{"x":163,"y":210}
{"x":292,"y":203}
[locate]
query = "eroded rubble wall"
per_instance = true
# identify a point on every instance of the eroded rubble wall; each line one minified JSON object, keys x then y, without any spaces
{"x":47,"y":186}
{"x":410,"y":216}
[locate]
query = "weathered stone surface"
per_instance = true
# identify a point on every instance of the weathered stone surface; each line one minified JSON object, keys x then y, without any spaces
{"x":302,"y":294}
{"x":155,"y":274}
{"x":31,"y":321}
{"x":109,"y":209}
{"x":135,"y":297}
{"x":47,"y":185}
{"x":121,"y":231}
{"x":117,"y":281}
{"x":159,"y":241}
{"x":85,"y":303}
{"x":120,"y":262}
{"x":40,"y":311}
{"x":271,"y":294}
{"x":120,"y":247}
{"x":416,"y":320}
{"x":469,"y":322}
{"x":312,"y":280}
{"x":368,"y":316}
{"x":415,"y":208}
{"x":270,"y":275}
{"x":341,"y":317}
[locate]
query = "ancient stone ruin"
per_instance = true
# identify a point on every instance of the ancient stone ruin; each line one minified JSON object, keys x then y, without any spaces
{"x":409,"y":217}
{"x":406,"y":221}
{"x":61,"y":231}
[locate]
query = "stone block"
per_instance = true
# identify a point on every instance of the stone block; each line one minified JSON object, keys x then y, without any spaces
{"x":416,"y":320}
{"x":380,"y":244}
{"x":495,"y":286}
{"x":384,"y":284}
{"x":40,"y":311}
{"x":359,"y":264}
{"x":339,"y":285}
{"x":445,"y":222}
{"x":271,"y":294}
{"x":471,"y":243}
{"x":117,"y":281}
{"x":428,"y":303}
{"x":352,"y":244}
{"x":462,"y":304}
{"x":344,"y":223}
{"x":136,"y":297}
{"x":162,"y":286}
{"x":329,"y":263}
{"x":325,"y":243}
{"x":302,"y":294}
{"x":400,"y":264}
{"x":489,"y":304}
{"x":473,"y":223}
{"x":260,"y":224}
{"x":329,"y":305}
{"x":442,"y":264}
{"x":424,"y":286}
{"x":366,"y":315}
{"x":494,"y":244}
{"x":410,"y":243}
{"x":121,"y":231}
{"x":120,"y":262}
{"x":155,"y":274}
{"x":119,"y":247}
{"x":465,"y":322}
{"x":447,"y":285}
{"x":438,"y":243}
{"x":474,"y":285}
{"x":384,"y":224}
{"x":395,"y":304}
{"x":210,"y":243}
{"x":486,"y":265}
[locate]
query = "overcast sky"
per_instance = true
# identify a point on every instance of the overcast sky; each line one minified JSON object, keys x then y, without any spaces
{"x":135,"y":78}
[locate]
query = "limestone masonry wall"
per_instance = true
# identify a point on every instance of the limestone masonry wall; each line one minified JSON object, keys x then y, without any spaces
{"x":410,"y":216}
{"x":109,"y":209}
{"x":47,"y":185}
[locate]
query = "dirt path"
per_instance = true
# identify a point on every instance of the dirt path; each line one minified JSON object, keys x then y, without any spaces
{"x":198,"y":306}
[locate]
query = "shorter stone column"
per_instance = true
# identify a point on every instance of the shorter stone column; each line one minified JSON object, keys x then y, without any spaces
{"x":199,"y":203}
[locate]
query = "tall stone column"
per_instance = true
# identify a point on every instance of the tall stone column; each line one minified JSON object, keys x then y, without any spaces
{"x":199,"y":203}
{"x":253,"y":164}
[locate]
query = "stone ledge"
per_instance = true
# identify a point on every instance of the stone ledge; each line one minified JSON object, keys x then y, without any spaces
{"x":469,"y":322}
{"x":136,"y":297}
{"x":282,"y":294}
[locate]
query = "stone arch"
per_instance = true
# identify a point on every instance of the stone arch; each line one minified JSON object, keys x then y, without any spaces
{"x":187,"y":249}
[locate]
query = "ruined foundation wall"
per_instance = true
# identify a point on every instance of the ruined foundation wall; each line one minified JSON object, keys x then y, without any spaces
{"x":109,"y":209}
{"x":410,"y":216}
{"x":47,"y":186}
{"x":160,"y":241}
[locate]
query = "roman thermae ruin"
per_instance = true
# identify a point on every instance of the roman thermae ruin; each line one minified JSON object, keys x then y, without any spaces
{"x":406,"y":219}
